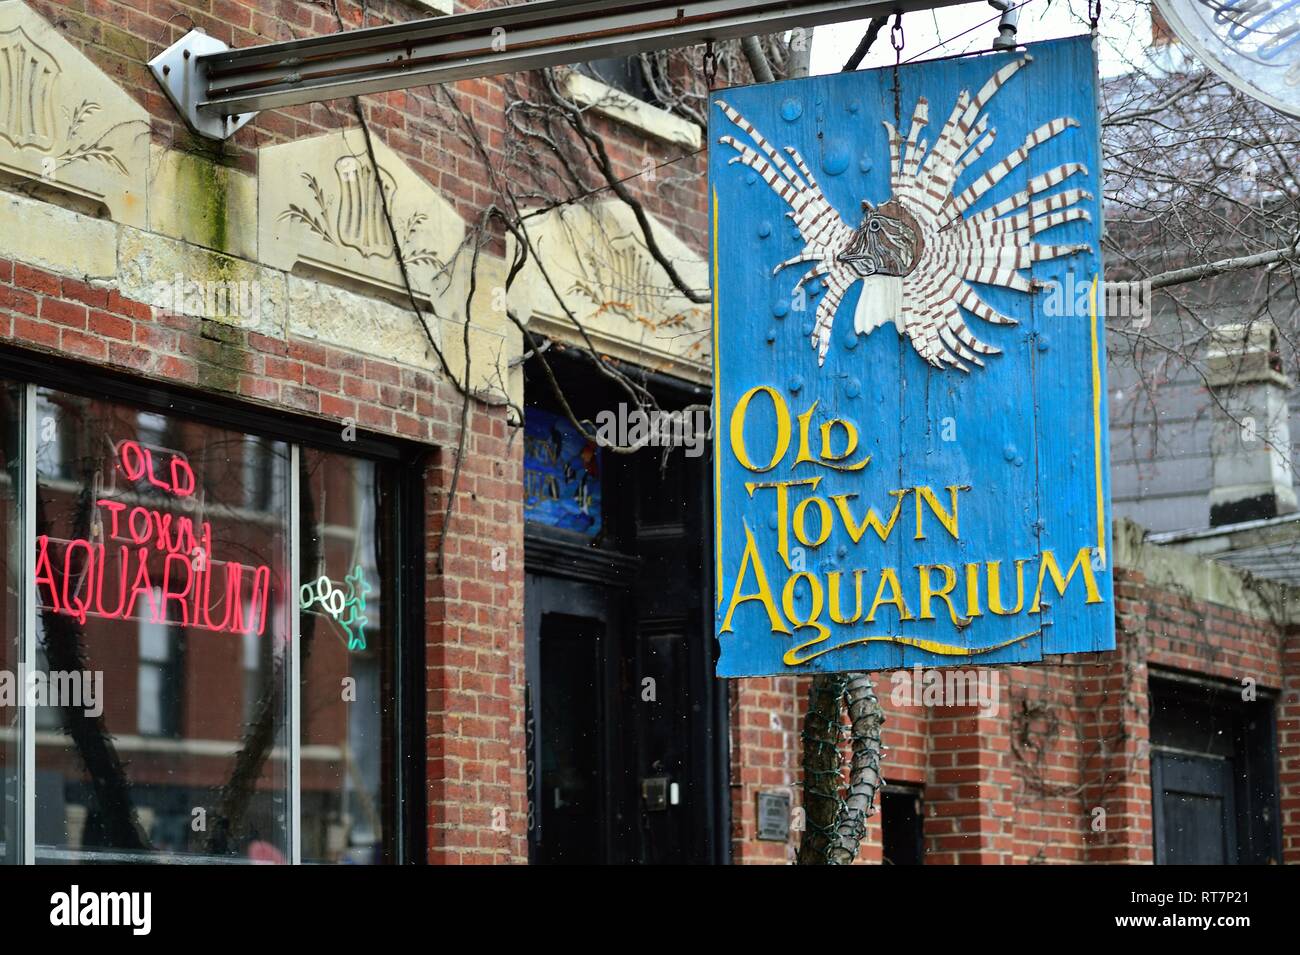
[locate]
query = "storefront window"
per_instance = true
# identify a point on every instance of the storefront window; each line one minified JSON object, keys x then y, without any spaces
{"x":347,"y":660}
{"x":151,"y":569}
{"x":171,"y":602}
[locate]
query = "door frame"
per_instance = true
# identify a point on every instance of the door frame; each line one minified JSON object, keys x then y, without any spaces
{"x":550,"y":552}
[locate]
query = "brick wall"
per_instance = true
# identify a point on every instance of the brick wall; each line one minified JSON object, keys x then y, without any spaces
{"x":766,"y":719}
{"x":1061,"y":773}
{"x":474,"y":635}
{"x":1288,"y":732}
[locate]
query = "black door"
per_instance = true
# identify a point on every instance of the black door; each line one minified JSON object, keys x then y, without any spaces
{"x":625,"y":722}
{"x":577,"y":812}
{"x":1194,"y":809}
{"x":674,"y":720}
{"x":622,"y":727}
{"x":1213,"y":773}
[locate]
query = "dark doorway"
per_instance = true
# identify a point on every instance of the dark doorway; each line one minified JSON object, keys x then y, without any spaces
{"x":1213,"y":774}
{"x":574,"y":759}
{"x":902,"y":823}
{"x":626,"y":723}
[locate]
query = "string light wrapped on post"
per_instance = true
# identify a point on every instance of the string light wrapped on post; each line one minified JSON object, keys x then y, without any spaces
{"x":834,"y":824}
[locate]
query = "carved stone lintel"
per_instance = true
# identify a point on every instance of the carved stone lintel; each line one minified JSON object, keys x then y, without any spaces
{"x":65,"y":127}
{"x":595,"y":256}
{"x":321,"y":211}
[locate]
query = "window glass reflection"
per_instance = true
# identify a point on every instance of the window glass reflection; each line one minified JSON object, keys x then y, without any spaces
{"x":11,"y":477}
{"x":154,"y":568}
{"x":347,"y":654}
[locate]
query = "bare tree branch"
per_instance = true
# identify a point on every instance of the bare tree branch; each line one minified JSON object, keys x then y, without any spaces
{"x":757,"y":59}
{"x":1211,"y":269}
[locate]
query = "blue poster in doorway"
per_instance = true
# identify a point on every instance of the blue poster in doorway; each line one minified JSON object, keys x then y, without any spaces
{"x":561,"y":474}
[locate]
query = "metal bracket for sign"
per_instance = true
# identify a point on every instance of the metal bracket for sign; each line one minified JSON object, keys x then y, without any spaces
{"x":1007,"y":25}
{"x":182,"y":73}
{"x":218,"y":89}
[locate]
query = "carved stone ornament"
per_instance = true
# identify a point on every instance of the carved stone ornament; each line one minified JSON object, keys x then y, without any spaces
{"x":65,"y":126}
{"x":322,"y":212}
{"x":597,"y":259}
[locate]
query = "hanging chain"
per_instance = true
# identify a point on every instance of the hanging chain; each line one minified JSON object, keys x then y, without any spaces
{"x":896,"y":40}
{"x":1094,"y":15}
{"x":710,"y":65}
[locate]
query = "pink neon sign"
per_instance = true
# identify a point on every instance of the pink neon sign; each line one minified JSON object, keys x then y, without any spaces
{"x":187,"y":591}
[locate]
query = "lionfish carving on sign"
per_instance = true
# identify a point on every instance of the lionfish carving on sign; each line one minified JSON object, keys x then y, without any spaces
{"x":918,"y":253}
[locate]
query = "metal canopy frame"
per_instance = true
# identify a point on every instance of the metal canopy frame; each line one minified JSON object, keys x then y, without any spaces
{"x":218,"y":89}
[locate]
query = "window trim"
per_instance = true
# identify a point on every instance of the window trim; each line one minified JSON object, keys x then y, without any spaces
{"x":222,"y":411}
{"x":27,"y":655}
{"x":295,"y":662}
{"x":32,"y":370}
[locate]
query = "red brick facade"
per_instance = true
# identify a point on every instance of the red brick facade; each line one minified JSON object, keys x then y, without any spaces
{"x":473,"y":614}
{"x":1288,"y":741}
{"x":1069,"y":739}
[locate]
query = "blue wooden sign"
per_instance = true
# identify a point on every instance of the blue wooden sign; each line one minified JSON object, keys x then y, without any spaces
{"x":561,"y":474}
{"x":911,"y":462}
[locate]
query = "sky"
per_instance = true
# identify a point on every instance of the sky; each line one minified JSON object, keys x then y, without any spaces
{"x":1125,"y":28}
